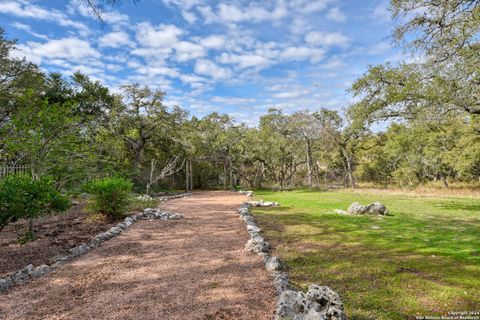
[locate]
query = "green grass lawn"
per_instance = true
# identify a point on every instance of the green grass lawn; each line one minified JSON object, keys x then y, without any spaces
{"x":423,"y":260}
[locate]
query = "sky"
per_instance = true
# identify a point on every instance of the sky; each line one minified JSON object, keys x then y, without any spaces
{"x":238,"y":57}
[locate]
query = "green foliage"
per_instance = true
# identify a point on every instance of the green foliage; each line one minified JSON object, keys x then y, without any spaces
{"x":22,"y":197}
{"x":446,"y":77}
{"x":110,"y":195}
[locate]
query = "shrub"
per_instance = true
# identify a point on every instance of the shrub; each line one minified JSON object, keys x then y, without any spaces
{"x":22,"y":197}
{"x":110,"y":195}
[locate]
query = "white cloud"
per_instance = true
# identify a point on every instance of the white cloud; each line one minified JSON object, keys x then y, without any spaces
{"x":213,"y":42}
{"x":268,"y":50}
{"x":245,"y":61}
{"x":164,"y":35}
{"x":336,"y":15}
{"x":70,"y":49}
{"x":186,"y":50}
{"x":207,"y":13}
{"x":114,"y":67}
{"x":157,"y":53}
{"x":156,"y":71}
{"x":189,"y":16}
{"x":326,"y":39}
{"x":114,"y":17}
{"x":291,"y":94}
{"x":299,"y":26}
{"x":29,"y":30}
{"x":309,"y":6}
{"x":27,"y":10}
{"x":191,"y":78}
{"x":114,"y":40}
{"x":231,"y":13}
{"x":232,"y":100}
{"x":303,"y":53}
{"x":210,"y":69}
{"x":108,"y":16}
{"x":334,"y":63}
{"x":183,"y":3}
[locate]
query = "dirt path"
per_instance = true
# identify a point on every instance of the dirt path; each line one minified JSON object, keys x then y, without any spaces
{"x":194,"y":268}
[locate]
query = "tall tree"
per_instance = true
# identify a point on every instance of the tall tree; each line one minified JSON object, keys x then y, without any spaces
{"x":16,"y":76}
{"x":306,"y":127}
{"x":445,"y":78}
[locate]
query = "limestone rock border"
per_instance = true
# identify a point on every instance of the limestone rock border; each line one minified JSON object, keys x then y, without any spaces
{"x":319,"y":302}
{"x":24,"y":275}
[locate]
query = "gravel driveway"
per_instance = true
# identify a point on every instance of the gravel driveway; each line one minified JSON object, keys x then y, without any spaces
{"x":194,"y":268}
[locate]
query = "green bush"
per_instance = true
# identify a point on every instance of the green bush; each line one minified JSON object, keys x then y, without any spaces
{"x":110,"y":195}
{"x":22,"y":197}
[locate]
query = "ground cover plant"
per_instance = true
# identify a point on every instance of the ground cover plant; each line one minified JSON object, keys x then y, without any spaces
{"x":425,"y":259}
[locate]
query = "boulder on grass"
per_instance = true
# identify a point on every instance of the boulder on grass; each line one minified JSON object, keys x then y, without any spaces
{"x":320,"y":303}
{"x":375,"y":208}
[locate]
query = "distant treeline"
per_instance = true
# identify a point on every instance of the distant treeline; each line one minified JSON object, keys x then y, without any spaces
{"x":76,"y":129}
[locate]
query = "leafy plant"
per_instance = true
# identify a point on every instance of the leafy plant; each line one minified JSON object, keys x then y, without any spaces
{"x":22,"y":197}
{"x":110,"y":196}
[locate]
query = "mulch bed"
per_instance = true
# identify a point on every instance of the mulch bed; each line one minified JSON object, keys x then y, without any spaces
{"x":55,"y":235}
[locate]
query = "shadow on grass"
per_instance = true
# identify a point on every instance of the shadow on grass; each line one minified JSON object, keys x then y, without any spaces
{"x":407,"y":266}
{"x":459,"y":206}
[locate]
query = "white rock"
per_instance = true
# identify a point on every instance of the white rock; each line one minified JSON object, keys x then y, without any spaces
{"x":149,"y":211}
{"x":128,"y":221}
{"x":114,"y":231}
{"x":41,"y":270}
{"x":320,"y":303}
{"x":21,"y":276}
{"x":122,"y":225}
{"x":257,"y":245}
{"x":5,"y":284}
{"x":281,"y":282}
{"x":79,"y":250}
{"x":273,"y":264}
{"x":375,"y":208}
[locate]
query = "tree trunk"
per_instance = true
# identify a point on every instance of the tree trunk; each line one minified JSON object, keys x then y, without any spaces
{"x":149,"y":183}
{"x":445,"y":182}
{"x":349,"y":171}
{"x":30,"y":228}
{"x":147,"y":189}
{"x":190,"y":171}
{"x":348,"y":167}
{"x":225,"y":174}
{"x":309,"y":163}
{"x":187,"y":176}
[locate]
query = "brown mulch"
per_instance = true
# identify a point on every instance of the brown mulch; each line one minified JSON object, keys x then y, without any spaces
{"x":55,"y":235}
{"x":193,"y":268}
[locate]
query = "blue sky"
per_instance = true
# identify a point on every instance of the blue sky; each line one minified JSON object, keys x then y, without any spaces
{"x":237,"y":57}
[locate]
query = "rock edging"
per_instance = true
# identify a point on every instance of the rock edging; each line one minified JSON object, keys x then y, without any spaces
{"x":24,"y":275}
{"x":247,"y":193}
{"x":318,"y":303}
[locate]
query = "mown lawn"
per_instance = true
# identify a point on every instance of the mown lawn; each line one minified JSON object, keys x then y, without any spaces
{"x":423,"y":260}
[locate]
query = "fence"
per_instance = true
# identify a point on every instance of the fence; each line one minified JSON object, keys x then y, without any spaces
{"x":7,"y":170}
